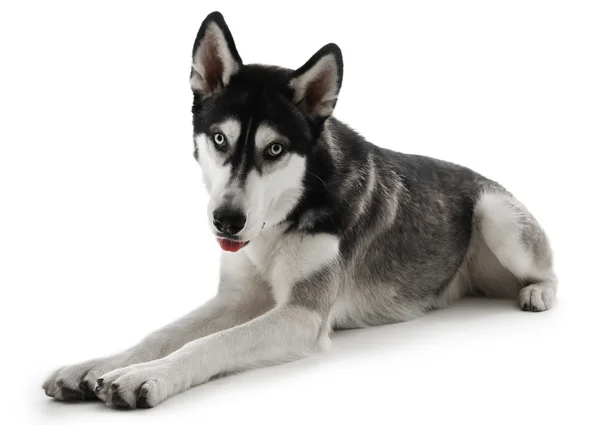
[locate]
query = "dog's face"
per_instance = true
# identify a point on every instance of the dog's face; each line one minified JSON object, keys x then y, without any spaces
{"x":255,"y":130}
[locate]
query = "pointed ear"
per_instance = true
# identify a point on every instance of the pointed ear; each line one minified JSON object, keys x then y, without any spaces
{"x":316,"y":84}
{"x":214,"y":57}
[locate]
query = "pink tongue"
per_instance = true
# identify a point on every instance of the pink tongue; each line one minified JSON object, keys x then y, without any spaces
{"x":229,"y":245}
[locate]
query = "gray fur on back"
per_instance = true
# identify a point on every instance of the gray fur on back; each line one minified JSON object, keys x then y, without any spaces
{"x":407,"y":224}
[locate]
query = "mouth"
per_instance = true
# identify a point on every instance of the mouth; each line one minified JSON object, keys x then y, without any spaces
{"x":230,"y":245}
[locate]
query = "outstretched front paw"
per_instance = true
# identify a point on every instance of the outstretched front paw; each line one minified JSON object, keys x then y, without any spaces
{"x":142,"y":385}
{"x":77,"y":382}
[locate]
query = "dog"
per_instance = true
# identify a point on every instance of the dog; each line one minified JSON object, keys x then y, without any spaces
{"x":320,"y":230}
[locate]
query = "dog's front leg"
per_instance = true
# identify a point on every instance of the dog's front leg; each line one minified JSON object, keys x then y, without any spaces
{"x":293,"y":329}
{"x":242,"y":297}
{"x":283,"y":334}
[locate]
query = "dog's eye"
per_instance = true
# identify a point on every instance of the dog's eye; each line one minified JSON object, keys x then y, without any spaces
{"x":219,"y":140}
{"x":274,"y":150}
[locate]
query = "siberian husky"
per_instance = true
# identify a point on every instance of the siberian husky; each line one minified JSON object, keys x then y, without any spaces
{"x":320,"y":230}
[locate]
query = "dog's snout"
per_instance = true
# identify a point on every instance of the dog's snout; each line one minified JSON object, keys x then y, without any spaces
{"x":228,"y":220}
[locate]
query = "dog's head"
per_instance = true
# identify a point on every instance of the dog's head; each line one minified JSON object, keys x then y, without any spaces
{"x":255,"y":130}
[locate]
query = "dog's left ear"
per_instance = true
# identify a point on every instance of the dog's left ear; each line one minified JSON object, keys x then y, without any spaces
{"x":316,"y":84}
{"x":214,"y":57}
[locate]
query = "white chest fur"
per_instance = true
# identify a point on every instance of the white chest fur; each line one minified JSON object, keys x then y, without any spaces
{"x":286,"y":258}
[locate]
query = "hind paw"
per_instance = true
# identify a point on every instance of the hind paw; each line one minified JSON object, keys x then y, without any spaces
{"x":536,"y":297}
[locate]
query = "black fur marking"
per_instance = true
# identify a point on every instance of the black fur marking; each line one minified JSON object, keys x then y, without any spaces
{"x":242,"y":160}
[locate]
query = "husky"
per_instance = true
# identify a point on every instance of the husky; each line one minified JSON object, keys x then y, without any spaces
{"x":320,"y":230}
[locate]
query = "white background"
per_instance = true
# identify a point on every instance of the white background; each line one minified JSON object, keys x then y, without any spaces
{"x":103,"y":229}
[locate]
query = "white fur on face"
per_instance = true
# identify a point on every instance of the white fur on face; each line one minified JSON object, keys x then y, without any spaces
{"x":265,"y":134}
{"x":231,"y":128}
{"x":216,"y":174}
{"x":272,"y":195}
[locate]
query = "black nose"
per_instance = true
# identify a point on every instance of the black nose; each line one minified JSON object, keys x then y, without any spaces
{"x":228,"y":220}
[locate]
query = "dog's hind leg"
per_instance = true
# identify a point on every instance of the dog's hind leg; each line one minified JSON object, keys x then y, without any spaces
{"x":520,"y":246}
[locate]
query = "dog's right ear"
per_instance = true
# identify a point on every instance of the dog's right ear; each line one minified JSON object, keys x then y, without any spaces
{"x":214,"y":57}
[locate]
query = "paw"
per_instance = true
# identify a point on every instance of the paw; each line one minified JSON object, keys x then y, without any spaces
{"x":142,"y":385}
{"x":77,"y":382}
{"x":536,"y":297}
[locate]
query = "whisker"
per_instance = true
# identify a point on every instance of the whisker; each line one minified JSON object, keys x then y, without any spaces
{"x":313,"y":174}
